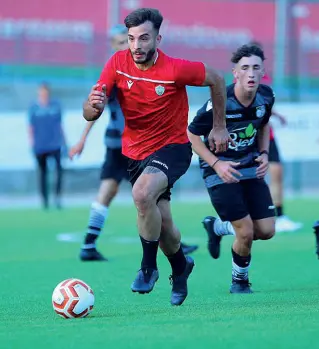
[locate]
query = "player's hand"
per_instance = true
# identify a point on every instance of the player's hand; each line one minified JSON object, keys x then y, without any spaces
{"x":226,"y":171}
{"x":97,"y":97}
{"x":263,"y":165}
{"x":76,"y":150}
{"x":218,"y":139}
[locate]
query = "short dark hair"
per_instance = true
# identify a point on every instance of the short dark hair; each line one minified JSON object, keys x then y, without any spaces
{"x":247,"y":51}
{"x":142,"y":15}
{"x":256,"y":43}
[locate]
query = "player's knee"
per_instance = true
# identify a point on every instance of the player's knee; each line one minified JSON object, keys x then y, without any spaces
{"x":266,"y":234}
{"x":246,"y":238}
{"x":245,"y":233}
{"x":265,"y":231}
{"x":143,"y":199}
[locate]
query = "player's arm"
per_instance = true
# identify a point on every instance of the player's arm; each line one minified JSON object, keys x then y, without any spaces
{"x":280,"y":117}
{"x":263,"y":146}
{"x":95,"y":104}
{"x":30,"y":128}
{"x":64,"y":142}
{"x":263,"y":138}
{"x":199,"y":74}
{"x":219,"y":137}
{"x":216,"y":82}
{"x":201,"y":150}
{"x":77,"y":149}
{"x":201,"y":125}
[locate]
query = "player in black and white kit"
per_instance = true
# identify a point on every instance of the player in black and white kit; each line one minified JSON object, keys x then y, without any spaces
{"x":235,"y":178}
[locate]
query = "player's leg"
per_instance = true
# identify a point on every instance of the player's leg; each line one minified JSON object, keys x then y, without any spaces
{"x":229,"y":202}
{"x":241,"y":252}
{"x":316,"y":232}
{"x":276,"y":177}
{"x":42,"y":175}
{"x":283,"y":223}
{"x":151,"y":178}
{"x":261,"y":208}
{"x":170,"y":243}
{"x":58,"y":180}
{"x":113,"y":170}
{"x":215,"y":227}
{"x":150,"y":184}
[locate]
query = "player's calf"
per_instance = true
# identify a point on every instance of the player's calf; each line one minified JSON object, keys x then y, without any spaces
{"x":316,"y":231}
{"x":241,"y":255}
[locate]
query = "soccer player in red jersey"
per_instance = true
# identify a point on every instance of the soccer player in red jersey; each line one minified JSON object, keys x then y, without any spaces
{"x":152,"y":94}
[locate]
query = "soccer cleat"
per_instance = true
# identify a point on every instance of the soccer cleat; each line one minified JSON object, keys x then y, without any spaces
{"x":213,"y":239}
{"x":316,"y":228}
{"x":285,"y":224}
{"x":91,"y":255}
{"x":187,"y":249}
{"x":179,"y":283}
{"x":240,"y":286}
{"x":145,"y":280}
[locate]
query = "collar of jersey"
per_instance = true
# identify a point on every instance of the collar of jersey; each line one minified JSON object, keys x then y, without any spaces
{"x":155,"y":60}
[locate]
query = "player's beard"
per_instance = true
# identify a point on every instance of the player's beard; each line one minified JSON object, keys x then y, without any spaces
{"x":148,"y":56}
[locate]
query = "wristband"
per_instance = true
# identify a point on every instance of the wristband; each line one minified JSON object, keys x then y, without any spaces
{"x":212,"y":166}
{"x":264,"y":152}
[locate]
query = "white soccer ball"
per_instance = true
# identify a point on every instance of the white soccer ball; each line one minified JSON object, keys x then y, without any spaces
{"x":73,"y":298}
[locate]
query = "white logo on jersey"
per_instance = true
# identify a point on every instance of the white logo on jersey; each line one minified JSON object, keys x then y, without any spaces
{"x":160,"y":90}
{"x":260,"y":111}
{"x":129,"y":84}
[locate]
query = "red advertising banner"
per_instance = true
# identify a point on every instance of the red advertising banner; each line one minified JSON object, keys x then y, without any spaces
{"x":210,"y":30}
{"x":73,"y":32}
{"x":307,"y":30}
{"x":50,"y":31}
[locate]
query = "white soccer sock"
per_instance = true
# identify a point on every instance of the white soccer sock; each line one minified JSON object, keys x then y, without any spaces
{"x":98,"y":216}
{"x":223,"y":228}
{"x":240,"y":273}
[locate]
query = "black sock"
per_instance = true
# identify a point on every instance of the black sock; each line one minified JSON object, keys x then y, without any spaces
{"x":240,"y":267}
{"x":178,"y":262}
{"x":91,"y":238}
{"x":241,"y":261}
{"x":149,"y":253}
{"x":279,"y":211}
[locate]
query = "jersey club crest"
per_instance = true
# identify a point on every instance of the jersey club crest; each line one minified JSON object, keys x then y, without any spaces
{"x":260,"y":111}
{"x":160,"y":90}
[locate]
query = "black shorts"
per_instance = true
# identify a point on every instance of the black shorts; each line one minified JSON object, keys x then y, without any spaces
{"x":173,"y":159}
{"x":273,"y":152}
{"x":115,"y":165}
{"x":235,"y":201}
